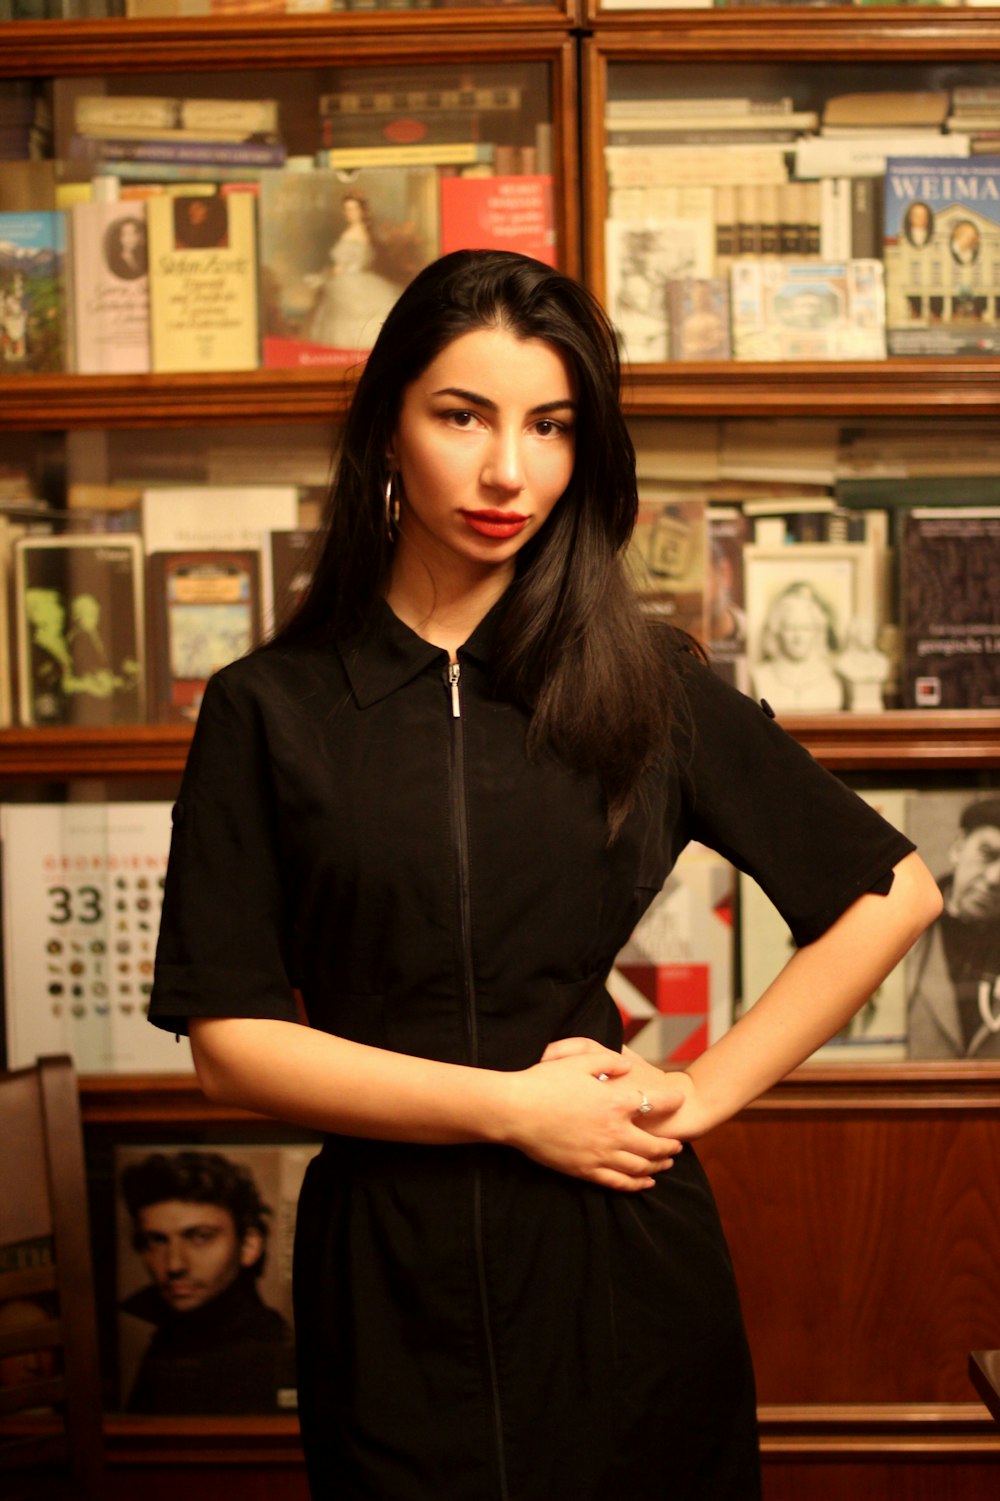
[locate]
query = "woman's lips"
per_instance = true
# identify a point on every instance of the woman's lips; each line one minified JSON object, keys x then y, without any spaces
{"x":500,"y":524}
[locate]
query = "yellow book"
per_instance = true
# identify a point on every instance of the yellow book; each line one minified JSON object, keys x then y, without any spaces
{"x":203,"y":282}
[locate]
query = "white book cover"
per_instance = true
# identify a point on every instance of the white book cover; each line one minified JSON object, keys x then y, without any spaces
{"x":226,"y":518}
{"x":673,"y":980}
{"x":82,"y":892}
{"x":876,"y":1033}
{"x":110,"y":288}
{"x":822,"y":156}
{"x":643,"y":257}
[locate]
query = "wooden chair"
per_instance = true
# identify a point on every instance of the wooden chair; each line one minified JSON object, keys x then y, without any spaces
{"x":51,"y":1441}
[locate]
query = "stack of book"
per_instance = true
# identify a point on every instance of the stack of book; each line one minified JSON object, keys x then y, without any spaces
{"x":975,"y":112}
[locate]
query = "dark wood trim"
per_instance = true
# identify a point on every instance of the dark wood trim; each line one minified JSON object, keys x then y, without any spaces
{"x":771,"y":34}
{"x":215,"y":45}
{"x":984,"y":1372}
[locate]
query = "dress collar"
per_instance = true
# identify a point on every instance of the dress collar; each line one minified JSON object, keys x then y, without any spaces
{"x":388,"y":654}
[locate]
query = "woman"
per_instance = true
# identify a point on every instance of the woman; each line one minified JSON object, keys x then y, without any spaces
{"x":352,"y":299}
{"x":436,"y":807}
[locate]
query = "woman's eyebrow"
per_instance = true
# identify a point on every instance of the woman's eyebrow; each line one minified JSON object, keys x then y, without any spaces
{"x":475,"y":400}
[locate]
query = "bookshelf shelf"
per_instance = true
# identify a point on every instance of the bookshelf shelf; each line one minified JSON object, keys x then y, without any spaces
{"x":774,"y":33}
{"x":879,"y":388}
{"x":200,"y":45}
{"x":907,"y":740}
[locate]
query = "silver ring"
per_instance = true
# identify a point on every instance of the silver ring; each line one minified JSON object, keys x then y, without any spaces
{"x":644,"y":1107}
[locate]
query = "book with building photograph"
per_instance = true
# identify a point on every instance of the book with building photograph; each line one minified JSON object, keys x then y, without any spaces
{"x":942,"y":255}
{"x":204,"y":612}
{"x":807,"y":310}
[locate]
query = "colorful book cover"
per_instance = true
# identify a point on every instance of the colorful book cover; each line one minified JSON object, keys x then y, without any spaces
{"x":203,"y":282}
{"x":698,"y":317}
{"x":79,"y":621}
{"x":32,"y":293}
{"x":109,"y":259}
{"x":942,"y":255}
{"x":203,"y":1237}
{"x":499,"y":213}
{"x":82,"y":891}
{"x":204,"y":611}
{"x":950,"y":607}
{"x":877,"y":1031}
{"x":673,"y":980}
{"x":807,"y":310}
{"x":667,"y":557}
{"x":335,"y":255}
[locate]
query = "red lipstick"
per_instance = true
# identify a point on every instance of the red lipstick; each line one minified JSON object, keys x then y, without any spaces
{"x":498,"y":524}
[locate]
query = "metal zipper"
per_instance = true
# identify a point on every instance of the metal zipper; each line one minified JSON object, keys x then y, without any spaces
{"x":461,"y":833}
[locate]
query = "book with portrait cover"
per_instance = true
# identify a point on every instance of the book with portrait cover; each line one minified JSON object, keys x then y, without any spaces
{"x":79,"y":629}
{"x":807,"y":310}
{"x":204,"y":612}
{"x":110,"y":288}
{"x":336,"y":250}
{"x":203,"y":282}
{"x":673,"y":980}
{"x":203,"y":1238}
{"x":506,"y":212}
{"x":877,"y":1032}
{"x":82,"y":891}
{"x":942,"y":255}
{"x":950,"y":607}
{"x":667,"y":556}
{"x":698,"y":318}
{"x":32,"y":293}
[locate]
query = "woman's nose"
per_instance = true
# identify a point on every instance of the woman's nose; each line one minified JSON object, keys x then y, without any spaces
{"x":504,"y":468}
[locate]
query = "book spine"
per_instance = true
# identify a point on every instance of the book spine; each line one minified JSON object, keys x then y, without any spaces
{"x":456,"y":153}
{"x":657,"y":109}
{"x":418,"y":101}
{"x":210,"y":153}
{"x":194,"y":172}
{"x":99,"y":113}
{"x":761,"y":135}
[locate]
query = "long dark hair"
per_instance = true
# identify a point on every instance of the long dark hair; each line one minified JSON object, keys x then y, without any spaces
{"x":574,"y":650}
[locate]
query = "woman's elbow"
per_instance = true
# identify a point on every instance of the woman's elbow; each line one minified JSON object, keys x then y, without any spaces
{"x":209,"y":1061}
{"x":922,"y":902}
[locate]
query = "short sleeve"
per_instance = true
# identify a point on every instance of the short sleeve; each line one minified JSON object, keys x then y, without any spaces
{"x":761,"y":800}
{"x":223,"y":942}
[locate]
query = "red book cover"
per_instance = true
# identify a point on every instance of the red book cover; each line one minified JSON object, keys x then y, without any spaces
{"x":499,"y":213}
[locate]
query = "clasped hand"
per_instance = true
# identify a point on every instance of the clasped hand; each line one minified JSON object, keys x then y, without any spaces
{"x":577,"y":1110}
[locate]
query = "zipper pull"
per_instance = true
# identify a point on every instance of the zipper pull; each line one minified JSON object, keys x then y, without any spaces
{"x":454,"y":672}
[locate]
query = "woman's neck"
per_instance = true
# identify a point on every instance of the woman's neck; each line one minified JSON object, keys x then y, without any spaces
{"x":443,"y":607}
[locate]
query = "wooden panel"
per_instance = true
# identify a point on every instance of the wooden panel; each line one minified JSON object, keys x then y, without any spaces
{"x":879,"y":1478}
{"x":866,"y":1245}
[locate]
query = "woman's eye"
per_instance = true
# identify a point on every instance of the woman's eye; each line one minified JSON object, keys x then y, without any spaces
{"x":547,"y":427}
{"x":462,"y":419}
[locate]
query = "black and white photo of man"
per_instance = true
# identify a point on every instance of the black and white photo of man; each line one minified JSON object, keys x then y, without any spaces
{"x":953,"y":972}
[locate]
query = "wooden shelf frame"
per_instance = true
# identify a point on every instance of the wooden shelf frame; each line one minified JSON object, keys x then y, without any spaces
{"x":775,"y":33}
{"x":906,"y":740}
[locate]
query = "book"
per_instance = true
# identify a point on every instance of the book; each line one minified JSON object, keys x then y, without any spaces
{"x":32,"y":293}
{"x":203,"y":282}
{"x":499,"y":213}
{"x":725,"y":594}
{"x":942,"y":255}
{"x":784,"y":126}
{"x":127,"y":115}
{"x":178,"y":1354}
{"x":698,"y":318}
{"x":183,"y":152}
{"x":645,"y":166}
{"x":887,"y":109}
{"x":373,"y":103}
{"x":730,"y":106}
{"x":27,"y":186}
{"x":420,"y":154}
{"x":335,"y":255}
{"x":292,"y":554}
{"x":877,"y":1032}
{"x":204,"y":612}
{"x":867,"y":155}
{"x":950,"y":609}
{"x":79,"y":629}
{"x":666,"y":557}
{"x":643,"y":257}
{"x":109,"y":260}
{"x":807,"y":310}
{"x":226,"y":517}
{"x":82,"y":891}
{"x":673,"y":980}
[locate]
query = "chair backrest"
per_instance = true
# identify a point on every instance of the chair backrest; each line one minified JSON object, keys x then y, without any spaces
{"x":50,"y":1389}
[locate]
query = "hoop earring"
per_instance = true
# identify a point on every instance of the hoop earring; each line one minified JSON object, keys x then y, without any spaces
{"x":391,"y":510}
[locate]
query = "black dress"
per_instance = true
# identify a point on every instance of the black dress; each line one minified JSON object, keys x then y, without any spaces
{"x":472,"y":1326}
